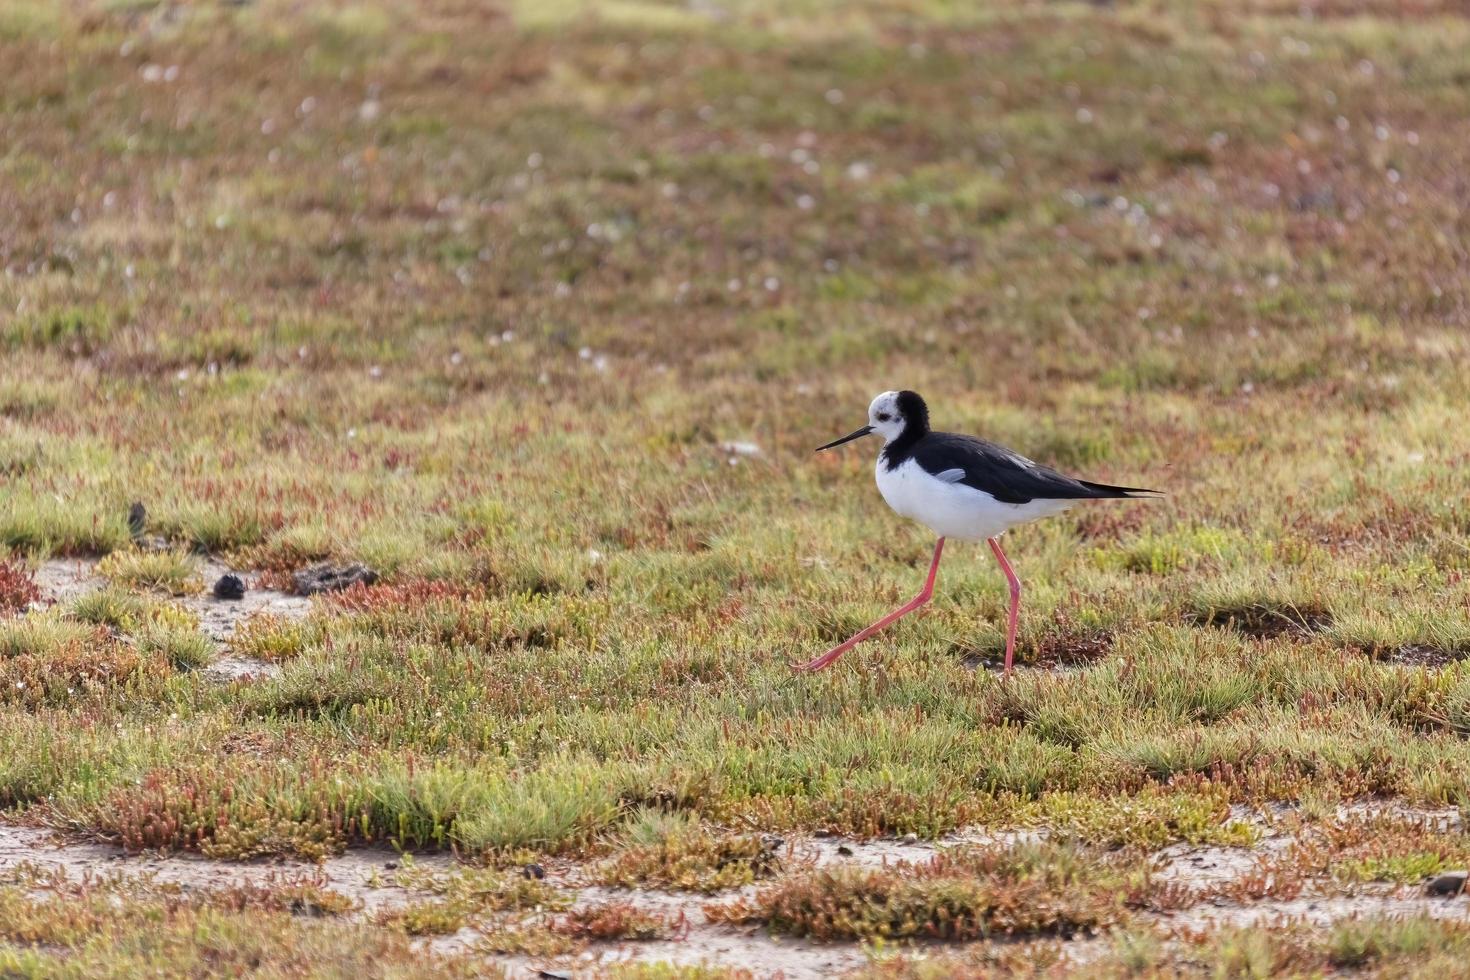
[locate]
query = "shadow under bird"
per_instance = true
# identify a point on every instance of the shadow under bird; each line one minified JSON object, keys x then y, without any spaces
{"x":959,"y":487}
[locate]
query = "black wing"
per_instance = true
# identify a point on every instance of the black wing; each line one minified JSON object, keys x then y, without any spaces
{"x":1007,"y":476}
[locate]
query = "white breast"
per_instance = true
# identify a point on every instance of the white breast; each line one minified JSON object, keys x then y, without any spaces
{"x":953,"y":510}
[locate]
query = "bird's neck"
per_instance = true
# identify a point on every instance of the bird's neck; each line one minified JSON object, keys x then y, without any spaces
{"x":901,"y":447}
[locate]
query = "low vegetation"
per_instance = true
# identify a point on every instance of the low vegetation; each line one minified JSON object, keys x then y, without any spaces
{"x":615,"y":922}
{"x":674,"y":850}
{"x":17,"y":588}
{"x":114,"y":928}
{"x":168,"y":572}
{"x":965,"y":894}
{"x":1376,"y":946}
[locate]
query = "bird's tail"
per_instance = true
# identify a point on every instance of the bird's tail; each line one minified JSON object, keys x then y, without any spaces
{"x":1108,"y":490}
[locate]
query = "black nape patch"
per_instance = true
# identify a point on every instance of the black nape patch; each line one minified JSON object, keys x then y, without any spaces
{"x":915,"y":413}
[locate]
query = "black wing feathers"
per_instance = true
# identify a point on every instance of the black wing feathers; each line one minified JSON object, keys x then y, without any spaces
{"x":1006,"y":476}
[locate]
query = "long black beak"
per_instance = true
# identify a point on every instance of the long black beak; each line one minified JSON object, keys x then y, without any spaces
{"x":858,"y":434}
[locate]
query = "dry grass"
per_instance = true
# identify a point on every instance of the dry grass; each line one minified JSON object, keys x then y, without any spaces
{"x":965,"y":894}
{"x":616,"y":922}
{"x":676,"y":851}
{"x":111,"y":927}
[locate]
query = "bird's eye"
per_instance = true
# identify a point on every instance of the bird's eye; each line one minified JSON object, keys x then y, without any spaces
{"x":884,"y":416}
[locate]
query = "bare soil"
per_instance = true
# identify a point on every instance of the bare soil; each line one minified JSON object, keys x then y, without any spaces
{"x":368,"y":877}
{"x":61,"y":580}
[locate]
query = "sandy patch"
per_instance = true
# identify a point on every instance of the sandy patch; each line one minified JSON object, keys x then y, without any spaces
{"x":64,"y":579}
{"x":366,"y":876}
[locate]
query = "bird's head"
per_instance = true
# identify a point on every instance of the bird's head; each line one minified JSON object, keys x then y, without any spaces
{"x":892,"y":415}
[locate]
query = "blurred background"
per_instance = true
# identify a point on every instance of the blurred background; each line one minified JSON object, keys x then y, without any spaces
{"x":306,"y":275}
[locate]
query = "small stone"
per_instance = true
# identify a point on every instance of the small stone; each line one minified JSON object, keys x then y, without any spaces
{"x":910,"y":838}
{"x":553,"y":975}
{"x":229,"y":586}
{"x":137,"y":519}
{"x":844,"y":850}
{"x":327,"y":577}
{"x":822,"y":833}
{"x":533,"y":871}
{"x":1447,"y":885}
{"x":391,"y":865}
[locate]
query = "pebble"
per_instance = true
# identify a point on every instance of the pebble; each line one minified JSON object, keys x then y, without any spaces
{"x":229,"y":586}
{"x":326,"y":577}
{"x":1447,"y":885}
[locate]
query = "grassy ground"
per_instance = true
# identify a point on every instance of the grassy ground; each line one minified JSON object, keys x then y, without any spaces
{"x":481,"y":295}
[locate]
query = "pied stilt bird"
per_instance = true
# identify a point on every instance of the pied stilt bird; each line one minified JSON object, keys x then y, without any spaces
{"x":959,"y":487}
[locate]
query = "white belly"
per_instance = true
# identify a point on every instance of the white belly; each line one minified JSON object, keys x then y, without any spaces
{"x":953,"y":510}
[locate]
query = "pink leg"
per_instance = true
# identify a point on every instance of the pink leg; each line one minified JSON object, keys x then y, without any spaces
{"x":1005,"y":566}
{"x":828,"y":658}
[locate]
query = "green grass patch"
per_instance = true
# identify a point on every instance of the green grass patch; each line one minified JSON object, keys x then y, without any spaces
{"x":169,"y":572}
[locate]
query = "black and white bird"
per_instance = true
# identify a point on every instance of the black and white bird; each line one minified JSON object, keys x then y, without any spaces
{"x":959,"y":487}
